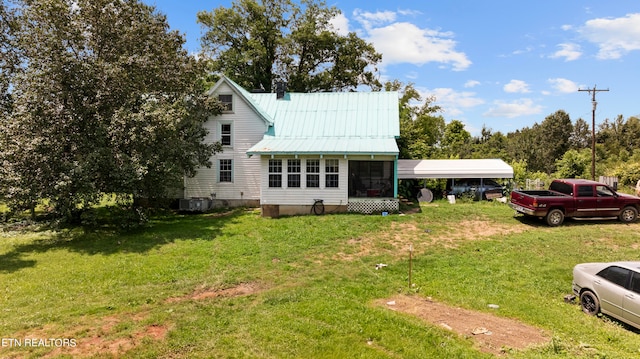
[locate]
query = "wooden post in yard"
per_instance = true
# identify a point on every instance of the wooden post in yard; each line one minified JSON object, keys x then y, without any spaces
{"x":410,"y":262}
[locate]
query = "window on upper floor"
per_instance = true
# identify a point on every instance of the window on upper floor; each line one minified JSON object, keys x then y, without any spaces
{"x":227,"y":102}
{"x":225,"y":134}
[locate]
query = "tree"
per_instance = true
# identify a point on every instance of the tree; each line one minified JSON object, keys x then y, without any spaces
{"x":108,"y":101}
{"x":9,"y":57}
{"x":490,"y":144}
{"x":260,"y":42}
{"x":581,"y":136}
{"x":420,"y":130}
{"x":610,"y":135}
{"x":456,"y":140}
{"x":541,"y":145}
{"x":574,"y":164}
{"x":631,"y":134}
{"x":555,"y":132}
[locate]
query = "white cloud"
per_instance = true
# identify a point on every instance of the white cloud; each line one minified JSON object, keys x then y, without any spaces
{"x":516,"y":86}
{"x":614,"y":36}
{"x":471,"y":83}
{"x":563,"y":85}
{"x":567,"y":51}
{"x":373,"y":19}
{"x":452,"y":102}
{"x":521,"y":107}
{"x":341,"y":24}
{"x":403,"y":42}
{"x":526,"y":50}
{"x":409,"y":12}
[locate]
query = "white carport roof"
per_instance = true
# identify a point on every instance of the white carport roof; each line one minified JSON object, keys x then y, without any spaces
{"x":479,"y":168}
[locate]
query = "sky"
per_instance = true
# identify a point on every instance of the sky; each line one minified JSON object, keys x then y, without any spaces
{"x":499,"y":64}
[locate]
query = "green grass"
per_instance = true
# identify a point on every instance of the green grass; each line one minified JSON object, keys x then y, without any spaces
{"x":315,"y":281}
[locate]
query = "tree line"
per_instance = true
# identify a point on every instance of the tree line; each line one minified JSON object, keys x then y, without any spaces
{"x":100,"y":97}
{"x":557,"y":147}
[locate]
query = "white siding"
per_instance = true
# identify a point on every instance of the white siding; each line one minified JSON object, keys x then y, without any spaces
{"x":303,"y":195}
{"x":247,"y":130}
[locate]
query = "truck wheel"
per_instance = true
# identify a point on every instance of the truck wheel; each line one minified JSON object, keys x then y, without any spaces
{"x":628,"y":214}
{"x":555,"y":217}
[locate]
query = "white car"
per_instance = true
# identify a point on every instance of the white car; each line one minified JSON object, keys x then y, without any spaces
{"x":609,"y":288}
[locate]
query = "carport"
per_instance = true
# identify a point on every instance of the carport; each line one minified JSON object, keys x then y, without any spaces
{"x":467,"y":168}
{"x":451,"y":169}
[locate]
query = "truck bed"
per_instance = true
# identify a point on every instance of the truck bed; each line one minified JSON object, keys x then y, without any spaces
{"x":541,"y":193}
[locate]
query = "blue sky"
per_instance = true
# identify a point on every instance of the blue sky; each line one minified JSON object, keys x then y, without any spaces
{"x":502,"y":64}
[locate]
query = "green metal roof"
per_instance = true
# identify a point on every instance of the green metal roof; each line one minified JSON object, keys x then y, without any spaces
{"x":329,"y":123}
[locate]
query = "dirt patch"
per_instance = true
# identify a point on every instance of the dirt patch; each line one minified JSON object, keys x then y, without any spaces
{"x":102,"y":344}
{"x":402,"y":235}
{"x":94,"y":337}
{"x":491,"y":333}
{"x":105,"y":336}
{"x":242,"y":289}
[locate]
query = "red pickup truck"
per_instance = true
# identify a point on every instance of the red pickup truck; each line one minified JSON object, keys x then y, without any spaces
{"x":575,"y":198}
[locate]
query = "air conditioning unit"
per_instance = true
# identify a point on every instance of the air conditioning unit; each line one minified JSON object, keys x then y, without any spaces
{"x":195,"y":204}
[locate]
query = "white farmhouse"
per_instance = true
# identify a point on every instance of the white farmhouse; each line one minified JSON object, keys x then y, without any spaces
{"x":285,"y":151}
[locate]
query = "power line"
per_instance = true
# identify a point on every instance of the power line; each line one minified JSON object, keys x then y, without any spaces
{"x":593,"y":92}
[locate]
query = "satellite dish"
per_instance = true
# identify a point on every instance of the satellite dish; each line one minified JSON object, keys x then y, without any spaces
{"x":425,"y":195}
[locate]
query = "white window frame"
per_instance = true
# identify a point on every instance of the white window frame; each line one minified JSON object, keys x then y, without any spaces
{"x":315,"y":173}
{"x":220,"y":170}
{"x":221,"y":136}
{"x":332,"y":173}
{"x":294,"y":176}
{"x":274,"y":168}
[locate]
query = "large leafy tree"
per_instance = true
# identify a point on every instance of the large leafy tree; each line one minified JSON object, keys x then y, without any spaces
{"x":581,"y":136}
{"x":543,"y":144}
{"x":8,"y":52}
{"x":421,"y":129}
{"x":456,"y":141}
{"x":261,"y":42}
{"x":107,"y":101}
{"x":574,"y":164}
{"x":490,"y":144}
{"x":522,"y":146}
{"x":555,"y":130}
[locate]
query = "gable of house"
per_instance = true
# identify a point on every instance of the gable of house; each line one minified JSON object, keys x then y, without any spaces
{"x":233,"y":178}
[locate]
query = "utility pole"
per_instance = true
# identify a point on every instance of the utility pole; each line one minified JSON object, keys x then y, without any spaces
{"x":592,"y":92}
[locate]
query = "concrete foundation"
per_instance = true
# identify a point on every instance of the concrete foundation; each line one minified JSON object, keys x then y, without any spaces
{"x":275,"y":211}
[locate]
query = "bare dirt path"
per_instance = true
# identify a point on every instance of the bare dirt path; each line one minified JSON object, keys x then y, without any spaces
{"x":491,"y":333}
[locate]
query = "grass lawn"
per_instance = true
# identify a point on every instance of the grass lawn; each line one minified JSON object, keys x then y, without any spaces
{"x":241,"y":286}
